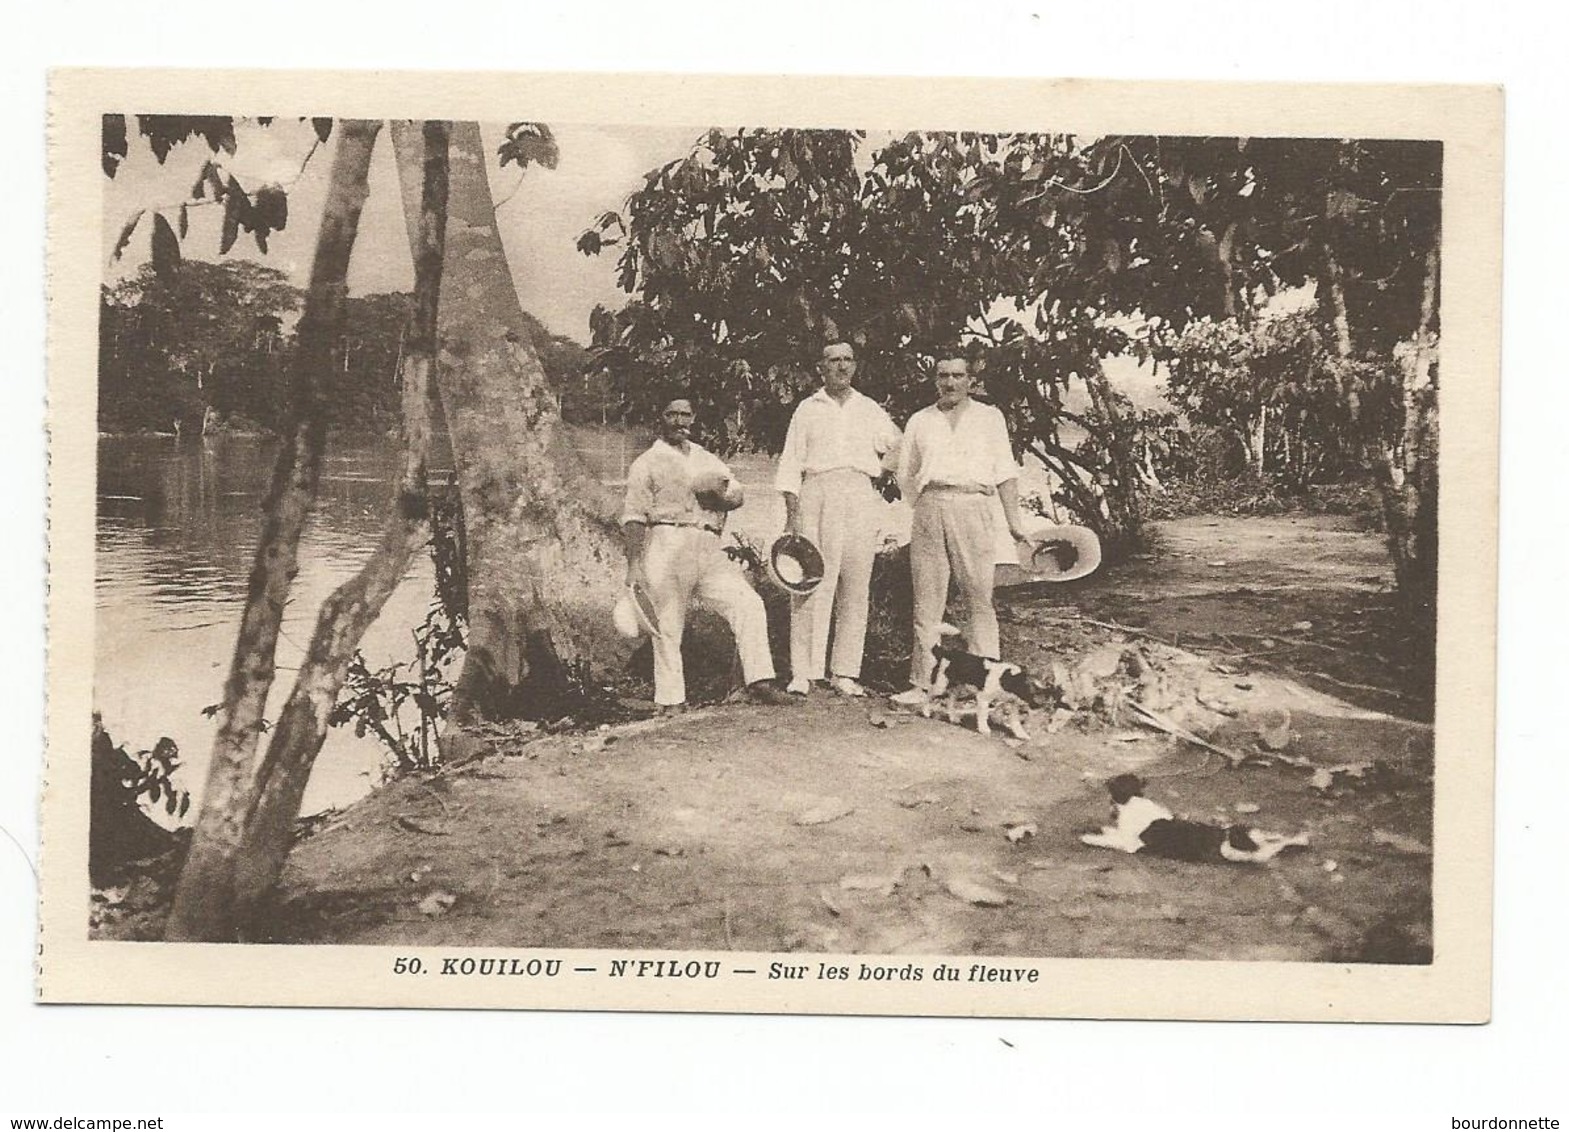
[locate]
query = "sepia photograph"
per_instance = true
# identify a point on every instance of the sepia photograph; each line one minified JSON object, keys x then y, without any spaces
{"x":730,"y":559}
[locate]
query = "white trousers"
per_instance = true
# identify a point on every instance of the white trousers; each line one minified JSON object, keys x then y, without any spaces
{"x":684,"y":564}
{"x":953,"y":535}
{"x":841,"y":513}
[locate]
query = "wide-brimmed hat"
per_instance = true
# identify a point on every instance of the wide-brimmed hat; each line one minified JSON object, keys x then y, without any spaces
{"x":795,"y":565}
{"x":634,"y":614}
{"x":1054,"y":553}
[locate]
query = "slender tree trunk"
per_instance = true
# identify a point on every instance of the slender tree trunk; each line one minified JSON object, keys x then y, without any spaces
{"x":1256,"y":443}
{"x":1335,"y":292}
{"x":1120,"y":476}
{"x":204,"y":904}
{"x":1411,"y":491}
{"x":355,"y":605}
{"x":543,"y":556}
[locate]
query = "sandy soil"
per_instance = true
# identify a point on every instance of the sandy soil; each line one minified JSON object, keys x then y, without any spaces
{"x":842,"y":825}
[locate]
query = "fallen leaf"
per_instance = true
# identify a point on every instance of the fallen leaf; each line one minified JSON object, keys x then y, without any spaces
{"x":972,"y":891}
{"x":923,"y":800}
{"x":1302,"y":626}
{"x":1322,"y":779}
{"x":1246,"y":807}
{"x":1331,"y":866}
{"x":971,"y":825}
{"x":1006,"y":878}
{"x":1022,"y":832}
{"x":436,"y":903}
{"x":828,"y":901}
{"x":1217,"y":562}
{"x":824,"y":812}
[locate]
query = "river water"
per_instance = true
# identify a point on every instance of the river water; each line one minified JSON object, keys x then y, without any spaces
{"x":177,"y":527}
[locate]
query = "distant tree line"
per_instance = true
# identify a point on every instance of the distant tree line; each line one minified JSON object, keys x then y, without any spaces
{"x":211,"y":345}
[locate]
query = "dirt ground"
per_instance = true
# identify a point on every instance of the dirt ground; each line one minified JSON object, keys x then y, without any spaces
{"x":846,"y":826}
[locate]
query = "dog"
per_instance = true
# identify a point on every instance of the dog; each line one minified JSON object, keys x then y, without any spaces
{"x":1140,"y":825}
{"x":990,"y":684}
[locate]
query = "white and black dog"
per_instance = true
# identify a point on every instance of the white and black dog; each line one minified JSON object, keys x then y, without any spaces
{"x":1139,"y":825}
{"x":990,"y":684}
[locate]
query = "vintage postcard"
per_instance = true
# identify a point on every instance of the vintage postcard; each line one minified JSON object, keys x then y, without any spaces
{"x":636,"y":542}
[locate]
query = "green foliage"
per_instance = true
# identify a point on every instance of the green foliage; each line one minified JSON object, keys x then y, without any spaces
{"x":172,"y":344}
{"x":145,"y":778}
{"x":529,"y":143}
{"x":402,"y":704}
{"x":1291,"y":411}
{"x":1047,"y":252}
{"x":123,"y":787}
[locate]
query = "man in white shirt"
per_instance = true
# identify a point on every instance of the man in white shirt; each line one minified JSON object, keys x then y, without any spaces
{"x":677,"y":498}
{"x":955,"y":458}
{"x":832,"y":453}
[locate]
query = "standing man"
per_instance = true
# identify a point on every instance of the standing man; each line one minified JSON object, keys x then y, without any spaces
{"x":954,"y":459}
{"x":677,"y":498}
{"x":832,"y":453}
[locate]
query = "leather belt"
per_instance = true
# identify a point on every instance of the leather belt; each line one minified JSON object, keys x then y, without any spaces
{"x":960,"y":489}
{"x":709,"y":527}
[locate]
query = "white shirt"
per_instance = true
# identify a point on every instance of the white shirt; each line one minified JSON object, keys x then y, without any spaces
{"x":825,"y":435}
{"x":971,"y":452}
{"x":659,"y":485}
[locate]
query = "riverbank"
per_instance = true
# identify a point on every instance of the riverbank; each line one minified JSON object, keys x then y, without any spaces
{"x":842,"y":825}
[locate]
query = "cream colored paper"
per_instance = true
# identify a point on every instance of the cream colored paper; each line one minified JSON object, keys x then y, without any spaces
{"x":1455,"y":987}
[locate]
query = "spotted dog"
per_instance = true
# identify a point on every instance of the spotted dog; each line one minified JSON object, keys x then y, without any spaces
{"x":1139,"y":825}
{"x":987,"y":683}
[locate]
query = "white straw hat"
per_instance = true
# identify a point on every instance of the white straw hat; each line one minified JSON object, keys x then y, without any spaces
{"x":1053,"y":553}
{"x":795,"y":565}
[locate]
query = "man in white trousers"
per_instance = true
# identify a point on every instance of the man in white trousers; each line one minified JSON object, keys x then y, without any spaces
{"x":955,"y":464}
{"x":832,"y":453}
{"x":677,"y":498}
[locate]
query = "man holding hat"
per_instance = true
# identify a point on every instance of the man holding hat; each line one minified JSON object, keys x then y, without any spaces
{"x":832,"y":453}
{"x":677,"y":498}
{"x":956,"y":464}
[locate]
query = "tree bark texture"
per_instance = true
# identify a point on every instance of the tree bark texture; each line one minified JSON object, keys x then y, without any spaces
{"x":1411,"y":472}
{"x":543,"y":555}
{"x":204,"y":904}
{"x":354,"y":606}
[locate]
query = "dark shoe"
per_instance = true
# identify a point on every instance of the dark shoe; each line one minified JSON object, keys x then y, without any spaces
{"x":764,"y":692}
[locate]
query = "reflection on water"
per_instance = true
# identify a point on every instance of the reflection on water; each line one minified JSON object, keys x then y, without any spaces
{"x":177,"y":526}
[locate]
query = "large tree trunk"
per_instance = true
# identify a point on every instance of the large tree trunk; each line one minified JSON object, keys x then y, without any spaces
{"x":205,"y":902}
{"x":355,"y":605}
{"x":542,"y":554}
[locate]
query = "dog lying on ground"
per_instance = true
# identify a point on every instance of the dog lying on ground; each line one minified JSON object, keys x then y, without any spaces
{"x":987,"y":683}
{"x":1139,"y":825}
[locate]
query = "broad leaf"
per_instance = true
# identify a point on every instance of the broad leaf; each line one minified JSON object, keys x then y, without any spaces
{"x":165,"y":247}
